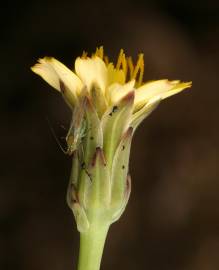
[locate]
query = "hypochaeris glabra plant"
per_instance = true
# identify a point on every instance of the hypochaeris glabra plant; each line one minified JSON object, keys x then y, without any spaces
{"x":107,"y":102}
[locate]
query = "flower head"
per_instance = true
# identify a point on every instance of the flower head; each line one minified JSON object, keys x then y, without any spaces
{"x":106,"y":81}
{"x":108,"y":102}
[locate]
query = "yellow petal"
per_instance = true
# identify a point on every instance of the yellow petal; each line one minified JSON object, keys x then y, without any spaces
{"x":52,"y":71}
{"x":176,"y":89}
{"x":115,"y":75}
{"x":92,"y":71}
{"x":162,"y":88}
{"x":117,"y":91}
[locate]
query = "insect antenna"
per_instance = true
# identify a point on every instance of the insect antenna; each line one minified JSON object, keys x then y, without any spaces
{"x":55,"y":137}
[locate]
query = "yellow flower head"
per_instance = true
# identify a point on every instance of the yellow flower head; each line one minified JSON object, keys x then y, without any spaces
{"x":105,"y":82}
{"x":108,"y":102}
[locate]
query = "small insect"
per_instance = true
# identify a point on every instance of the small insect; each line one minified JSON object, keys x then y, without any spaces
{"x":78,"y":128}
{"x":73,"y":138}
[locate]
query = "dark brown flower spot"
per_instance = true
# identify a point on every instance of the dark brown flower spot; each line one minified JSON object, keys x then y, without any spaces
{"x":115,"y":108}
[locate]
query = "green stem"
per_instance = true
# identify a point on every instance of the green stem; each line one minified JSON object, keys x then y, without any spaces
{"x":91,"y":247}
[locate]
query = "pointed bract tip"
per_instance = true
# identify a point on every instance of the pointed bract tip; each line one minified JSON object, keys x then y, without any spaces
{"x":98,"y":155}
{"x":84,"y":91}
{"x":88,"y":103}
{"x":129,"y":97}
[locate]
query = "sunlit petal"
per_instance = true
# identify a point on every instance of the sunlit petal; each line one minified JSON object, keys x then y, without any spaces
{"x":53,"y":71}
{"x":117,"y":91}
{"x":92,"y":71}
{"x":163,"y":88}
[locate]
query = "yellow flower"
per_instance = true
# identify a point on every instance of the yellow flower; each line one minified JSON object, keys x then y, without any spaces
{"x":108,"y":103}
{"x":106,"y":82}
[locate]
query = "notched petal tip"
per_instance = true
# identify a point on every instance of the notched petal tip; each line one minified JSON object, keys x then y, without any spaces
{"x":163,"y":88}
{"x":176,"y":88}
{"x":44,"y":69}
{"x":53,"y":71}
{"x":92,"y":70}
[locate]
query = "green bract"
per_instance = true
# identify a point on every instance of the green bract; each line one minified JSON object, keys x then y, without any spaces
{"x":99,"y":185}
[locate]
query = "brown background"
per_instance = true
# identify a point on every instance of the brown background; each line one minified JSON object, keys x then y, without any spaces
{"x":172,"y":219}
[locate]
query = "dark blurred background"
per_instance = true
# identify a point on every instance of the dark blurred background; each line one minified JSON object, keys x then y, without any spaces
{"x":172,"y":219}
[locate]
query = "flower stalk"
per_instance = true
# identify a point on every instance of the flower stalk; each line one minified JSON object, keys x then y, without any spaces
{"x":91,"y":246}
{"x":107,"y":104}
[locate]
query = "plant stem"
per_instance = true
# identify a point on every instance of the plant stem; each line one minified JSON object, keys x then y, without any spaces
{"x":91,"y":247}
